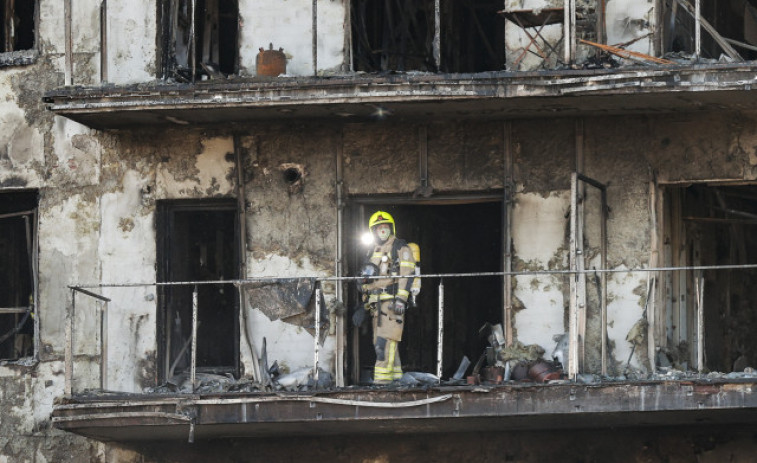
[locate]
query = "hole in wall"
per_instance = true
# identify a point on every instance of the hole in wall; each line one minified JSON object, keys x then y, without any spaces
{"x":292,"y":175}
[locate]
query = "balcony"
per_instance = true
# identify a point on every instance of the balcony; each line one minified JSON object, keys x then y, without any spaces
{"x":459,"y":409}
{"x":577,"y":401}
{"x":493,"y":95}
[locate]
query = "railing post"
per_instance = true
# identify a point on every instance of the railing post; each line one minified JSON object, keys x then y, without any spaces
{"x":104,"y":346}
{"x":440,"y":332}
{"x":194,"y":338}
{"x":317,"y":331}
{"x":697,"y":29}
{"x":69,"y":352}
{"x":573,"y":303}
{"x":699,"y":283}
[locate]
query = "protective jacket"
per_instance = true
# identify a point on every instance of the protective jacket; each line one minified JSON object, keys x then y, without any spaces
{"x":394,"y":259}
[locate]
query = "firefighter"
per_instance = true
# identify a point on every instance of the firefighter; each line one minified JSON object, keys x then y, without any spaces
{"x":387,"y":298}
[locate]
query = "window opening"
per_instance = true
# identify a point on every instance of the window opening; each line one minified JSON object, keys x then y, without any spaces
{"x":16,"y":25}
{"x":17,"y":274}
{"x":393,"y":35}
{"x":472,"y":36}
{"x":399,"y":36}
{"x":453,"y":238}
{"x":197,"y":241}
{"x":734,"y":24}
{"x":216,"y":24}
{"x":711,"y":225}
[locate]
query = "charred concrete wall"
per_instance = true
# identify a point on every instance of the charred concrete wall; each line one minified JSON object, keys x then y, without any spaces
{"x":98,"y":195}
{"x":680,"y":445}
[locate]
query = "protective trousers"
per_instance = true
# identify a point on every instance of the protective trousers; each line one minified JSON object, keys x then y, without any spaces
{"x":388,"y":366}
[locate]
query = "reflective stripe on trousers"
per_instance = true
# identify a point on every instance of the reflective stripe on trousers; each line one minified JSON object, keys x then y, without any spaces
{"x":389,"y":367}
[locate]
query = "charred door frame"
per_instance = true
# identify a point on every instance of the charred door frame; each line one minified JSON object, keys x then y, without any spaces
{"x":355,"y":227}
{"x":31,"y":217}
{"x":165,"y":210}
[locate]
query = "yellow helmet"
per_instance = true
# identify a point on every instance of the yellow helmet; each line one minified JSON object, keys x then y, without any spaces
{"x":380,"y":217}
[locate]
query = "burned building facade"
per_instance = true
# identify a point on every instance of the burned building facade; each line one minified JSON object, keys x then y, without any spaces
{"x":584,"y":169}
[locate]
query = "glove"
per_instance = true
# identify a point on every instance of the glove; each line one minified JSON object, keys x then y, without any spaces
{"x":359,"y":316}
{"x":399,"y":306}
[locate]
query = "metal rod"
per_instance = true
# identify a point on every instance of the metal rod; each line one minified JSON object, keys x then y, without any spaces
{"x":566,"y":31}
{"x":655,"y":316}
{"x":12,"y":310}
{"x":601,"y":24}
{"x":573,"y":35}
{"x":194,"y":339}
{"x":437,"y":45}
{"x":315,"y":37}
{"x":580,"y":221}
{"x":68,"y":31}
{"x":28,"y":229}
{"x":440,"y":332}
{"x":89,"y":293}
{"x":242,"y":248}
{"x":193,"y":45}
{"x":104,"y":346}
{"x":35,"y":281}
{"x":507,"y":244}
{"x":104,"y":41}
{"x":348,"y":44}
{"x":699,"y":283}
{"x":573,"y":303}
{"x":603,"y":279}
{"x":740,"y":44}
{"x":317,"y":332}
{"x":339,"y":264}
{"x":16,"y":214}
{"x":430,"y":275}
{"x":697,"y":28}
{"x":69,"y":353}
{"x":591,"y":181}
{"x":719,"y":220}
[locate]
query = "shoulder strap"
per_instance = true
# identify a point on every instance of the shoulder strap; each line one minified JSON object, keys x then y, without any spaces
{"x":396,"y":246}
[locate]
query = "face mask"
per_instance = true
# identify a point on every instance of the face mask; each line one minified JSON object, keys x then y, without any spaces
{"x":383,"y":232}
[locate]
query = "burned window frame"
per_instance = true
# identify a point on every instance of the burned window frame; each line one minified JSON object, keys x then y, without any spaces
{"x":166,"y":231}
{"x":719,"y":33}
{"x":416,"y":36}
{"x":26,"y":321}
{"x":169,"y":67}
{"x":706,"y":320}
{"x":10,"y":53}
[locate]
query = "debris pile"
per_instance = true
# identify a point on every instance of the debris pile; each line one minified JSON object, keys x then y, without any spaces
{"x":500,"y":362}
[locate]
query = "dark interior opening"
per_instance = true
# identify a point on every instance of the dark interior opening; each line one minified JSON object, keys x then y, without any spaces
{"x":735,"y":20}
{"x":399,"y":36}
{"x":453,"y":238}
{"x":393,"y":35}
{"x":198,"y":242}
{"x":17,"y":25}
{"x":718,"y":226}
{"x":216,"y":27}
{"x":292,"y":174}
{"x":472,"y":36}
{"x":17,"y":232}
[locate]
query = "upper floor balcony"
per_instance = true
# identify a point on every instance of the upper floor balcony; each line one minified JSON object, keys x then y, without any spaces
{"x":361,"y":59}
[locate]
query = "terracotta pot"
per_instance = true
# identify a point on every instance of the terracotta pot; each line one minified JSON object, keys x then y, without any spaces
{"x":541,"y":372}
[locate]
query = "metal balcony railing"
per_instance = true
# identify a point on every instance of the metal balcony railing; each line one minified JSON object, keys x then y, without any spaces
{"x":86,"y":290}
